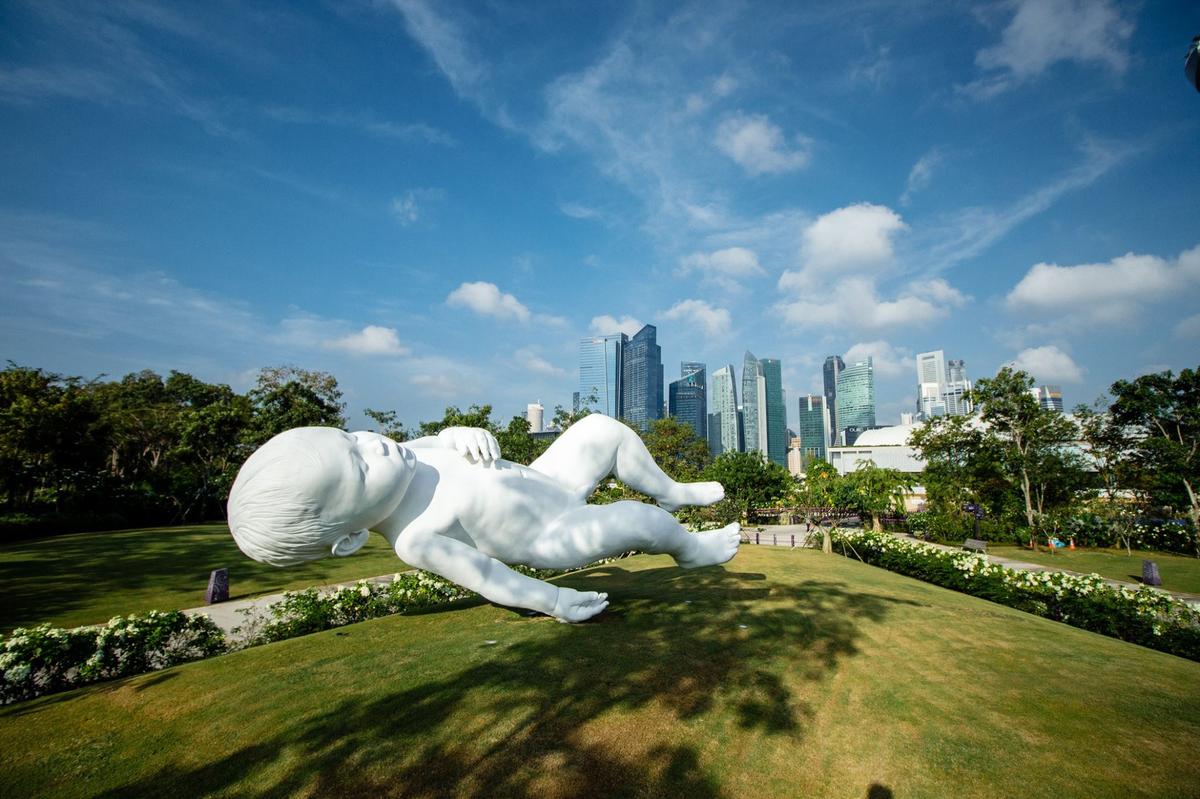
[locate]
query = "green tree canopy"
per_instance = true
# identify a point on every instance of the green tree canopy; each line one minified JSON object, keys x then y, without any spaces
{"x":1162,"y":414}
{"x":749,"y":481}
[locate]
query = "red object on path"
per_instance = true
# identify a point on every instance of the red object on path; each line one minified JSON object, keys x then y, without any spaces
{"x":1072,"y":543}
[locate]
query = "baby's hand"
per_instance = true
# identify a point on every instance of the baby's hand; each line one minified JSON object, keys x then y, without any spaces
{"x":473,"y":443}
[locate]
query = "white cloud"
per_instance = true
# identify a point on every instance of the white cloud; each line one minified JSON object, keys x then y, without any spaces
{"x":758,"y":145}
{"x":1189,"y":327}
{"x":609,"y":325}
{"x":888,"y":361}
{"x":371,"y":340}
{"x":579,"y":211}
{"x":487,"y":299}
{"x":723,"y":268}
{"x":1044,"y":32}
{"x":854,"y":239}
{"x":921,"y":174}
{"x":1049,"y":364}
{"x":532,"y":361}
{"x":714,"y":321}
{"x":1113,"y":291}
{"x":855,"y":304}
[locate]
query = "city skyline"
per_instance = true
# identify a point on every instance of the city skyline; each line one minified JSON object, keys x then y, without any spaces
{"x":436,"y":202}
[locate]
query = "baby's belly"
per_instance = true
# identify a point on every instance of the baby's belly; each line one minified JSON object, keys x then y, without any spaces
{"x":511,"y":507}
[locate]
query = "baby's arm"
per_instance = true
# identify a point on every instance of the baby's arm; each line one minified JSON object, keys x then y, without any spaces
{"x":491,"y":579}
{"x":473,"y":443}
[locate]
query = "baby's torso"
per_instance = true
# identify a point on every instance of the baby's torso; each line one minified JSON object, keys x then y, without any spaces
{"x":495,"y":508}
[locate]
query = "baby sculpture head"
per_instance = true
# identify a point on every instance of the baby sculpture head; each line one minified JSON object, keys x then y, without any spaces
{"x":315,"y":491}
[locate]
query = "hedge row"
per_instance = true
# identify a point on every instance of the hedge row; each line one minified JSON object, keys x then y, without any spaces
{"x":1141,"y":615}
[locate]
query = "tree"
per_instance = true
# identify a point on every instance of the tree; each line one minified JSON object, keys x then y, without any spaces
{"x":1162,"y":412}
{"x":517,"y":444}
{"x":821,"y":488}
{"x":475,"y":416}
{"x":1033,"y":442}
{"x":875,"y":491}
{"x":564,"y":418}
{"x":386,"y":424}
{"x":288,"y":396}
{"x":677,"y":449}
{"x":749,"y":481}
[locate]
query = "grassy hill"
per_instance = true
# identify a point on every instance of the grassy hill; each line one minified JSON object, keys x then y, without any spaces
{"x":88,"y":578}
{"x":785,"y":673}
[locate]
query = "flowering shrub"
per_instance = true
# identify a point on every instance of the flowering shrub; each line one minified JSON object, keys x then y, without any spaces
{"x":1141,"y":614}
{"x":310,"y":610}
{"x":45,"y":659}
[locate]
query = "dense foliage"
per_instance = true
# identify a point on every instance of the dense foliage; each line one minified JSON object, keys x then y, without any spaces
{"x":1141,"y":615}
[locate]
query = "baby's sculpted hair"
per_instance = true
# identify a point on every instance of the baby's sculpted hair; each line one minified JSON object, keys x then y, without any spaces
{"x":273,"y":513}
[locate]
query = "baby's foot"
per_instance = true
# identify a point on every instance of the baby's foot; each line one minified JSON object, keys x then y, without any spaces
{"x":713,"y":548}
{"x":692,"y":494}
{"x":573,"y":606}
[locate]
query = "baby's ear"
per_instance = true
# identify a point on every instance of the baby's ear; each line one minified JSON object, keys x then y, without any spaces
{"x":349,"y":544}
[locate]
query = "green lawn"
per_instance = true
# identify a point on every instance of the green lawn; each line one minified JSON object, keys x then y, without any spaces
{"x":785,"y":673}
{"x":90,"y":577}
{"x":1178,"y":572}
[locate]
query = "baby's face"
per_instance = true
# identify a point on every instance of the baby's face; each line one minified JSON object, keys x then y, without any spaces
{"x":370,"y":475}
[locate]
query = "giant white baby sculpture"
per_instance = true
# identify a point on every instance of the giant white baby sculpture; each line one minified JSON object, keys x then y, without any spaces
{"x":449,"y":504}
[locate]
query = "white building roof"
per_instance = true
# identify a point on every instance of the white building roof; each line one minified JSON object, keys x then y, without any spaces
{"x":896,"y":436}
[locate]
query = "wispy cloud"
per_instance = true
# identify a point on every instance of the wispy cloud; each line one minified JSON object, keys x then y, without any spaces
{"x":759,"y":146}
{"x":712,"y":321}
{"x":364,"y":123}
{"x":1045,"y":32}
{"x":921,"y":174}
{"x":964,"y":234}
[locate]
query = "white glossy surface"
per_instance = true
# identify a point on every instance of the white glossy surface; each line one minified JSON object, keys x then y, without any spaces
{"x":450,"y":504}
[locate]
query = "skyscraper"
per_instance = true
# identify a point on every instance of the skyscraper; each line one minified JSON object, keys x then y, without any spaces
{"x":1049,"y":397}
{"x":686,"y":398}
{"x":642,"y":379}
{"x":601,"y":360}
{"x":856,"y":395}
{"x":931,"y":384}
{"x":956,"y":397}
{"x":754,"y":400}
{"x":534,"y":414}
{"x":772,"y":415}
{"x":813,"y":426}
{"x":833,"y":370}
{"x":723,"y":430}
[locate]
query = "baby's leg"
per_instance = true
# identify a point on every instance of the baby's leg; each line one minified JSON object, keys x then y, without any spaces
{"x":475,"y":571}
{"x":589,"y":533}
{"x":597,"y":446}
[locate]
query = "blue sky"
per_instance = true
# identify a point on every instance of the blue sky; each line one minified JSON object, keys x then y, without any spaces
{"x":435,"y":201}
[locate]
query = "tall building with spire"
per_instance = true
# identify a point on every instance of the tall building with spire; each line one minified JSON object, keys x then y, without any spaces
{"x":687,"y":400}
{"x":642,"y":379}
{"x":724,"y":432}
{"x":833,"y":370}
{"x":754,"y":401}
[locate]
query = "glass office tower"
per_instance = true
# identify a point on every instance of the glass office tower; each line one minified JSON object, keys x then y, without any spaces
{"x":833,"y":369}
{"x":600,"y":373}
{"x":856,"y":395}
{"x":686,"y":400}
{"x":642,"y":379}
{"x":773,"y":413}
{"x":724,"y":432}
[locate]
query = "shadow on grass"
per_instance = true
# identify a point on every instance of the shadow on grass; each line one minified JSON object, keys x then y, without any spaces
{"x":637,"y":703}
{"x":50,"y":578}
